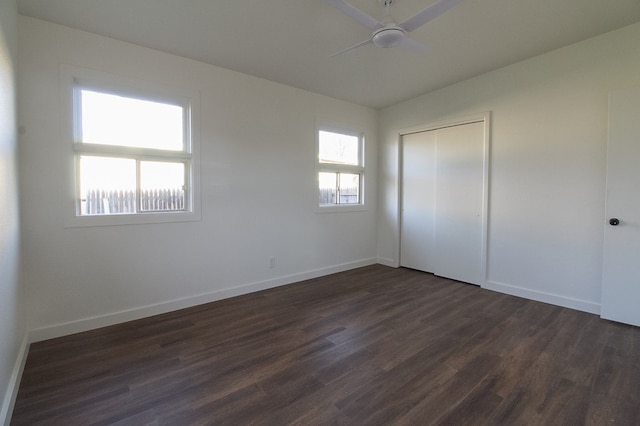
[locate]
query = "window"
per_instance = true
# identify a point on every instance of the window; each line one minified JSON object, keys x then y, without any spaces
{"x":340,"y":168}
{"x":133,"y":154}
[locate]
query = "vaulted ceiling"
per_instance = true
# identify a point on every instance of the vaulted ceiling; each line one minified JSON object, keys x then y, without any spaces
{"x":290,"y":41}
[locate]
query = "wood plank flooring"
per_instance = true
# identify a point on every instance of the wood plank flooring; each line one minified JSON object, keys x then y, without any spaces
{"x":371,"y":346}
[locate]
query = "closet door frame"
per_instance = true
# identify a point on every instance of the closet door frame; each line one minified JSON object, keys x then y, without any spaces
{"x":484,"y":117}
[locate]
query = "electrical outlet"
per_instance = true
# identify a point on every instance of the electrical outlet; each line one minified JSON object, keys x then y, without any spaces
{"x":272,"y":262}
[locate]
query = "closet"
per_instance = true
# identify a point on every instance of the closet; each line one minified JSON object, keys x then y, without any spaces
{"x":444,"y":200}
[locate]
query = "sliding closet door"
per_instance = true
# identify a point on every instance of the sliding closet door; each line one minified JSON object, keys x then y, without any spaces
{"x":459,"y":189}
{"x":443,"y":190}
{"x":418,"y":205}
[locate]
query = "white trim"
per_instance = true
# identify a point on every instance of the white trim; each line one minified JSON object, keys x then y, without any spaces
{"x":85,"y":324}
{"x":541,"y":296}
{"x":450,"y":122}
{"x":447,"y":122}
{"x":341,"y":208}
{"x":14,"y":383}
{"x":388,"y":262}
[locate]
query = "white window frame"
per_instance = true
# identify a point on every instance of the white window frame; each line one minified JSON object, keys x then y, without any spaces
{"x":73,"y":80}
{"x":340,"y":168}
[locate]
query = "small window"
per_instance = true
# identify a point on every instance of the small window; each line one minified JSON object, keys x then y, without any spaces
{"x":340,"y":168}
{"x":133,"y":155}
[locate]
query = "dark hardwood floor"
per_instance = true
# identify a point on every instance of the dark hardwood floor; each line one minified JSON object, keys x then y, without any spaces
{"x":372,"y":346}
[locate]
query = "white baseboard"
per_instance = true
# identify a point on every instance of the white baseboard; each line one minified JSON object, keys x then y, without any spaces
{"x":14,"y":383}
{"x":85,"y":324}
{"x":387,"y":262}
{"x":540,"y":296}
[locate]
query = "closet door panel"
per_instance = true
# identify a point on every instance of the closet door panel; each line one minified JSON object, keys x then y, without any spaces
{"x":418,"y":201}
{"x":459,"y":203}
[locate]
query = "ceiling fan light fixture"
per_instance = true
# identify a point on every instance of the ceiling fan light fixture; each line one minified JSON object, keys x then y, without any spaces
{"x":388,"y":33}
{"x":388,"y":37}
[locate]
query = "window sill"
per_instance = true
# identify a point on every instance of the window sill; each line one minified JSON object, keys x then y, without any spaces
{"x":130,"y":219}
{"x":341,"y":209}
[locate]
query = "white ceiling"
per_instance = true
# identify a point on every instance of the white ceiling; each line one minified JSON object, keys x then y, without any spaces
{"x":290,"y":41}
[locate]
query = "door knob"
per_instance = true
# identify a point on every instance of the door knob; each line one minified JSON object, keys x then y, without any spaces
{"x":614,"y":221}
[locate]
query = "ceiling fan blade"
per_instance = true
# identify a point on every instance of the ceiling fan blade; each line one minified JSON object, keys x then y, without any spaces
{"x":356,"y":14}
{"x":427,"y":14}
{"x":413,"y":46}
{"x":361,"y":44}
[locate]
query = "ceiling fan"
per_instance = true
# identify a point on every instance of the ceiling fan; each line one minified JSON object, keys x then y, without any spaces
{"x":388,"y":33}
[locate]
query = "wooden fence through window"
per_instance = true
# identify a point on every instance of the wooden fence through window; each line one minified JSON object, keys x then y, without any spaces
{"x":99,"y":201}
{"x":347,"y":196}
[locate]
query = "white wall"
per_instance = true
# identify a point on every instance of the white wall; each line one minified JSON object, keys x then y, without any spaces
{"x":258,"y":193}
{"x":547,"y":175}
{"x":12,"y":310}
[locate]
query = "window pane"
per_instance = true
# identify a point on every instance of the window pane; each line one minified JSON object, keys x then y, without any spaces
{"x":339,"y":188}
{"x":337,"y":148}
{"x":107,"y":185}
{"x":349,"y":188}
{"x":161,"y":186}
{"x":328,"y":184}
{"x":117,"y":120}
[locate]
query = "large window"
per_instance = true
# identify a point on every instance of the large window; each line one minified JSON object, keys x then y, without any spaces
{"x":340,"y":168}
{"x":133,"y":156}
